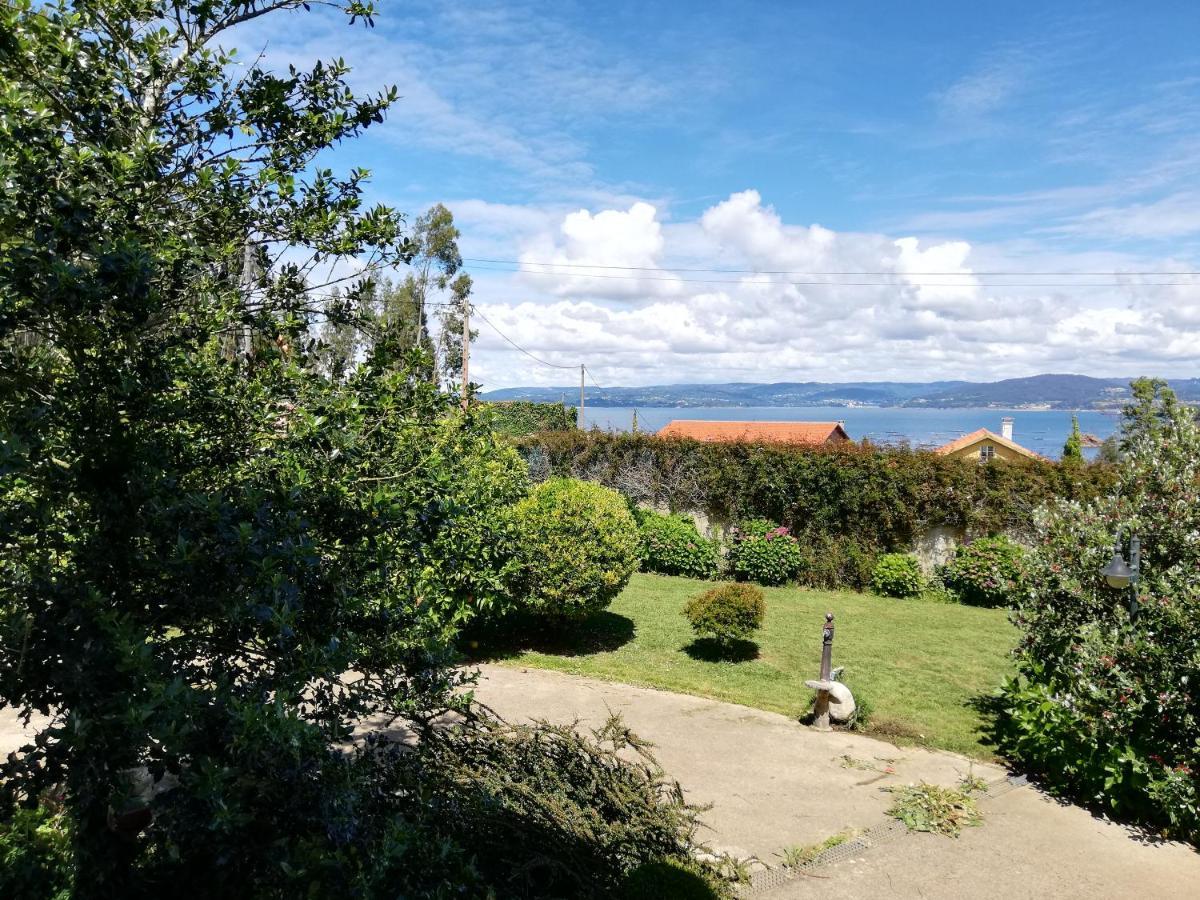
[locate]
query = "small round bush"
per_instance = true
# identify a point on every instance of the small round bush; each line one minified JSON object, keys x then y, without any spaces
{"x":897,"y":575}
{"x":728,"y":613}
{"x":671,"y":545}
{"x":764,"y":552}
{"x":576,"y":546}
{"x":986,"y":572}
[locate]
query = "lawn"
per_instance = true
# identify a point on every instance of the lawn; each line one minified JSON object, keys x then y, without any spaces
{"x":920,"y":666}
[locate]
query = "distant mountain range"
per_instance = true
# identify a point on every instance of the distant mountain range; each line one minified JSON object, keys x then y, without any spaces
{"x":1034,"y":392}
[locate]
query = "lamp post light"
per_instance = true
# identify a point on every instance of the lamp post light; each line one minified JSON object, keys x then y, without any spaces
{"x":1121,"y":575}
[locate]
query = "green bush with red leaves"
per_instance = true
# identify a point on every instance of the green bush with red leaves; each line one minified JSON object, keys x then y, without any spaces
{"x":764,"y":552}
{"x":1106,"y":706}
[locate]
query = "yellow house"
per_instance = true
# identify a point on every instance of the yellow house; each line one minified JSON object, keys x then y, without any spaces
{"x":984,"y":445}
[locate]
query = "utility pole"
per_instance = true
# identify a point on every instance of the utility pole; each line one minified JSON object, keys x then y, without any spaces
{"x":466,"y":350}
{"x":581,"y":398}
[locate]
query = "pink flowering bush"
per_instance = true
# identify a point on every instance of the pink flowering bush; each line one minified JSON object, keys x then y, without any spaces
{"x":1105,"y":707}
{"x":764,"y":552}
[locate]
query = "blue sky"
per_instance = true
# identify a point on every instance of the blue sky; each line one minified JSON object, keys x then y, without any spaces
{"x":638,"y":140}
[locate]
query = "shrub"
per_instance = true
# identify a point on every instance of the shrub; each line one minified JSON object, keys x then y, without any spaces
{"x":1105,"y":706}
{"x":834,"y":561}
{"x":577,"y":545}
{"x":764,"y":552}
{"x":35,"y":854}
{"x":876,"y":496}
{"x":986,"y":572}
{"x":728,"y":613}
{"x":671,"y":545}
{"x":518,"y":795}
{"x":673,"y":879}
{"x":516,"y":418}
{"x":897,"y":575}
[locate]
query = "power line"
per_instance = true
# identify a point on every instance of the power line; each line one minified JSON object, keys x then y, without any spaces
{"x":516,"y":345}
{"x":518,"y":262}
{"x":878,"y":284}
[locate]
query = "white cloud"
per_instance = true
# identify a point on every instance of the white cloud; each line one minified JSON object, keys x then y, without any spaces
{"x":779,"y":321}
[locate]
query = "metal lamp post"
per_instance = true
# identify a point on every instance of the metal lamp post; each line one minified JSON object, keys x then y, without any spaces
{"x":1121,"y":575}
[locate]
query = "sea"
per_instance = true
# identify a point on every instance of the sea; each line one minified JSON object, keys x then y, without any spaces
{"x":1042,"y":431}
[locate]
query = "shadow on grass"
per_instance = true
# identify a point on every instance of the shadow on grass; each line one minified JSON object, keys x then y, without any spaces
{"x":990,"y":707}
{"x":709,"y":650}
{"x":600,"y":633}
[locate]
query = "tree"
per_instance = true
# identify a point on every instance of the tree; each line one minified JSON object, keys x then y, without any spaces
{"x":1072,"y":453}
{"x":215,"y":561}
{"x":435,"y":260}
{"x":397,"y":312}
{"x":1104,"y":705}
{"x":450,"y":353}
{"x":199,"y":543}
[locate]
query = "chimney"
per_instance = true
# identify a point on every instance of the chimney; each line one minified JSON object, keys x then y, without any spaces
{"x":1006,"y":428}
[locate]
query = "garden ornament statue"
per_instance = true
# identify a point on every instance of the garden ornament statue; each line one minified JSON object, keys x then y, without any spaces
{"x":834,"y":700}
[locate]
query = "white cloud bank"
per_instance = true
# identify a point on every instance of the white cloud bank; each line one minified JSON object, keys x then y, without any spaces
{"x":612,"y":288}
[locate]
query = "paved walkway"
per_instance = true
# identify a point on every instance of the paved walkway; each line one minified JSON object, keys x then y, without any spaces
{"x":773,"y":783}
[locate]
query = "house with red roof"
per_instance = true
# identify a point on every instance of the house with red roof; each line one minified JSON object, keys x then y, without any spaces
{"x":808,"y":434}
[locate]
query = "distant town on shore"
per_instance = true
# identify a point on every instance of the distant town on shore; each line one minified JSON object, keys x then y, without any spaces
{"x":1036,"y":392}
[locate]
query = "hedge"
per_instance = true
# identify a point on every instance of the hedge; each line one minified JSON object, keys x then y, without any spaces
{"x":517,"y":418}
{"x":878,"y":497}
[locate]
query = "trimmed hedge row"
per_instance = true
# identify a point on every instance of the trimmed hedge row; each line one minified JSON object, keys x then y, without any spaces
{"x":516,"y":418}
{"x":873,"y":498}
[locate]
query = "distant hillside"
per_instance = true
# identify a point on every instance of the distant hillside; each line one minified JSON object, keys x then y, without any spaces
{"x":1035,"y":392}
{"x":1049,"y":391}
{"x":811,"y":393}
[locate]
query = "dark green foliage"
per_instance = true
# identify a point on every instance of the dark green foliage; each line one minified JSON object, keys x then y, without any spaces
{"x":876,"y":497}
{"x":672,"y":880}
{"x":835,"y":561}
{"x":1105,"y":707}
{"x":764,"y":552}
{"x":986,"y":572}
{"x":577,"y":545}
{"x":897,"y":575}
{"x":205,"y":527}
{"x":517,"y":418}
{"x":546,"y":812}
{"x":35,"y":853}
{"x":727,"y":613}
{"x":671,"y":545}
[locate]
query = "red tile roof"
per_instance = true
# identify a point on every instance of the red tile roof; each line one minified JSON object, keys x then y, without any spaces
{"x":984,"y":434}
{"x":809,"y":433}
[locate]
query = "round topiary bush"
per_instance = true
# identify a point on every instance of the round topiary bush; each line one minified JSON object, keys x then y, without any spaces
{"x":728,"y":613}
{"x":576,"y":546}
{"x":764,"y":552}
{"x":672,"y":545}
{"x":897,"y":575}
{"x":986,"y":572}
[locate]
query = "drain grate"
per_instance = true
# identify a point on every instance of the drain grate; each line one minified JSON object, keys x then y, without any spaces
{"x":768,"y":879}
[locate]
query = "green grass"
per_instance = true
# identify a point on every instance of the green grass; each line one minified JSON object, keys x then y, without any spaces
{"x":922,"y":666}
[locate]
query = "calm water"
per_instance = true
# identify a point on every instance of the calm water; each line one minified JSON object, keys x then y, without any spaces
{"x":1042,"y":431}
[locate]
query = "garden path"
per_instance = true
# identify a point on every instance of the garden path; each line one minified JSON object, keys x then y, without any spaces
{"x":774,"y":783}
